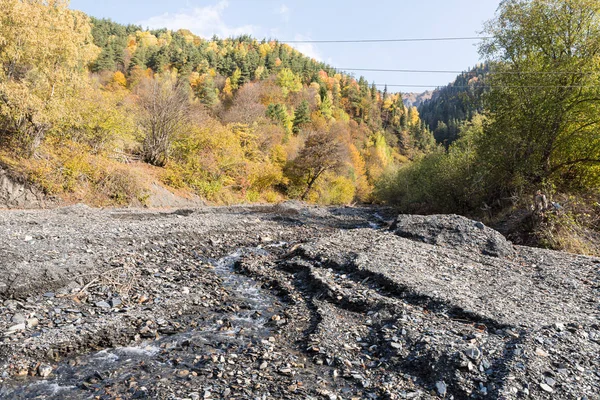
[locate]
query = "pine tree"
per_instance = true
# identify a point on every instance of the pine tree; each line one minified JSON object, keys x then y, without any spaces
{"x":301,"y":116}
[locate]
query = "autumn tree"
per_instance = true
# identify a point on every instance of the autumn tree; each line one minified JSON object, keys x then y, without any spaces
{"x":289,"y":82}
{"x":164,"y":110}
{"x":321,"y":153}
{"x":44,"y":49}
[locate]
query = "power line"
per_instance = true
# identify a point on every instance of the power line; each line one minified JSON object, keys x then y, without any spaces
{"x":440,"y":39}
{"x":401,"y":70}
{"x":425,"y":71}
{"x":497,"y":86}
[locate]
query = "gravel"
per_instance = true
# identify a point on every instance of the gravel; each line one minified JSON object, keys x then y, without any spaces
{"x":288,"y":301}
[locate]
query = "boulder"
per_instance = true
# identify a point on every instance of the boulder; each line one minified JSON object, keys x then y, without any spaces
{"x":453,"y":231}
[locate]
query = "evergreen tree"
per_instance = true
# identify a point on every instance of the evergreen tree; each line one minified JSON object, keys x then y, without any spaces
{"x":301,"y":116}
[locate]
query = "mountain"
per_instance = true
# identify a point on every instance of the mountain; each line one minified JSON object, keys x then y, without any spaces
{"x":416,"y":99}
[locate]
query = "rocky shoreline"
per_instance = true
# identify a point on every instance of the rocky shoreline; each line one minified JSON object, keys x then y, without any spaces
{"x":288,"y":301}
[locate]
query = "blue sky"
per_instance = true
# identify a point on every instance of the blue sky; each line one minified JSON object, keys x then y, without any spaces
{"x":329,"y":20}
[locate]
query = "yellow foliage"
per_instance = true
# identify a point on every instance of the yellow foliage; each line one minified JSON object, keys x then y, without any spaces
{"x":334,"y":189}
{"x":54,"y":47}
{"x":146,"y":39}
{"x":118,"y":81}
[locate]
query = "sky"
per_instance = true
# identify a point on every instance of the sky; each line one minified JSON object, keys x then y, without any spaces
{"x":330,"y":20}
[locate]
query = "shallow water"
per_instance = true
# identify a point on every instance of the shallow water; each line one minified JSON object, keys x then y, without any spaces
{"x":142,"y":362}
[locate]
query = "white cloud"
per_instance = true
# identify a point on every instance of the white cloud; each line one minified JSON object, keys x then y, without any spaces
{"x":203,"y":21}
{"x":308,"y":49}
{"x":285,"y":12}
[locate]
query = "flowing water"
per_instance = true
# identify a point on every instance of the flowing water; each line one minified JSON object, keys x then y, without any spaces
{"x":77,"y":379}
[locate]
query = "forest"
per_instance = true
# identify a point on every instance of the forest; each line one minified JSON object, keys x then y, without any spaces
{"x":102,"y":106}
{"x":94,"y":111}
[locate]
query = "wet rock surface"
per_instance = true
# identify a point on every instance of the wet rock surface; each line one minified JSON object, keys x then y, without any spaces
{"x":289,"y":301}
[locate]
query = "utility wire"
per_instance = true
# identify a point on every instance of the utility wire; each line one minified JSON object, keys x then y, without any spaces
{"x":440,"y":39}
{"x":495,"y":87}
{"x":425,"y":71}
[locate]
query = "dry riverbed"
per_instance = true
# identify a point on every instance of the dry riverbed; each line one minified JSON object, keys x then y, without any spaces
{"x":288,"y":301}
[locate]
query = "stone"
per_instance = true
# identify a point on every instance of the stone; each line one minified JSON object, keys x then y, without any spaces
{"x":17,"y":319}
{"x":550,"y":382}
{"x":442,"y":388}
{"x":546,"y":388}
{"x":115,"y":302}
{"x":16,"y":328}
{"x":33,"y":322}
{"x":540,"y":352}
{"x":473,"y":353}
{"x":44,"y":370}
{"x":453,"y":231}
{"x":102,"y":304}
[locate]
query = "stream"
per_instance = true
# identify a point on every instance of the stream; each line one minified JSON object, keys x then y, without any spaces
{"x":143,"y":362}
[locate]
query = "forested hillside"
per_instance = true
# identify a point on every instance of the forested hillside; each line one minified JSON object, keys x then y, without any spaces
{"x":454,"y":104}
{"x":230,"y":120}
{"x":529,"y":128}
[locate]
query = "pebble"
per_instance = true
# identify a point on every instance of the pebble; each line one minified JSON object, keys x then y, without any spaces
{"x":546,"y":388}
{"x":473,"y":353}
{"x":17,"y":319}
{"x":442,"y":388}
{"x":16,"y":328}
{"x":541,"y":352}
{"x":102,"y":304}
{"x":44,"y":370}
{"x":33,"y":322}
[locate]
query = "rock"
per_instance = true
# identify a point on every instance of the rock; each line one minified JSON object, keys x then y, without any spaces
{"x":115,"y":302}
{"x":550,"y":382}
{"x":395,"y":345}
{"x":44,"y":370}
{"x":28,"y":238}
{"x":442,"y":388}
{"x":17,"y":319}
{"x":540,"y":352}
{"x":16,"y":328}
{"x":546,"y":388}
{"x":455,"y":232}
{"x":102,"y":304}
{"x":32,"y":323}
{"x":473,"y":353}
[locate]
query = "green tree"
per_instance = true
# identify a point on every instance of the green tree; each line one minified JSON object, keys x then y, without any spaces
{"x":301,"y":116}
{"x":326,"y":108}
{"x":545,"y":99}
{"x":278,"y":113}
{"x":288,"y":81}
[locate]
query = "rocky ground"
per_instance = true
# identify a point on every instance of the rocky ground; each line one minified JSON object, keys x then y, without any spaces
{"x":288,"y":301}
